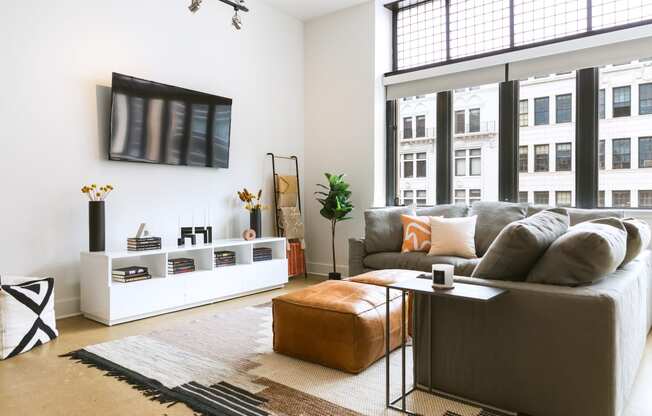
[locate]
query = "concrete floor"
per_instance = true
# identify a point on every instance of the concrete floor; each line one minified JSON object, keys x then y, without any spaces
{"x":41,"y":383}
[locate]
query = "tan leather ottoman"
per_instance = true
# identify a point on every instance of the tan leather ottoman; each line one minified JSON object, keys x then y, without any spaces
{"x":337,"y":324}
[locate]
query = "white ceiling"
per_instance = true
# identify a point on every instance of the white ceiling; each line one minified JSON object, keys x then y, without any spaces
{"x":309,"y":9}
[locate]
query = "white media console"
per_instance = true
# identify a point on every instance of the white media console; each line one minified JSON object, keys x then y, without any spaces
{"x":110,"y":302}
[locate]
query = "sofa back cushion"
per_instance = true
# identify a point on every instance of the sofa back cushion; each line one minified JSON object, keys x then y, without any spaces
{"x":492,"y":218}
{"x":638,"y":238}
{"x":446,"y":211}
{"x":383,"y":228}
{"x":579,"y":215}
{"x":585,"y":253}
{"x":520,"y":244}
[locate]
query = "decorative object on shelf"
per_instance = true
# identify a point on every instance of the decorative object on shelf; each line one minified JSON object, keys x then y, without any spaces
{"x":27,"y":306}
{"x":144,"y":243}
{"x":442,"y":276}
{"x":181,"y":265}
{"x":254,"y":206}
{"x":130,"y":274}
{"x":336,"y":206}
{"x":238,"y":5}
{"x":96,"y":215}
{"x":249,"y":234}
{"x":225,"y":258}
{"x":188,"y":237}
{"x":287,"y":212}
{"x":262,"y":254}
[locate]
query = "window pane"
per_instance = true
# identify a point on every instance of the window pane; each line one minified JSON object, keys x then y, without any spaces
{"x":537,"y":20}
{"x":601,"y":154}
{"x":421,"y":34}
{"x":475,"y":195}
{"x":476,"y":166}
{"x":564,"y":108}
{"x":460,"y":196}
{"x":601,"y":104}
{"x":621,"y":199}
{"x":645,"y":199}
{"x":522,"y":197}
{"x":523,"y":113}
{"x":600,"y":199}
{"x":609,"y":13}
{"x":541,"y":158}
{"x":418,"y":156}
{"x":541,"y":111}
{"x":621,"y":158}
{"x":474,"y":120}
{"x":522,"y":159}
{"x":459,"y":122}
{"x":563,"y":160}
{"x":478,"y":26}
{"x":541,"y":198}
{"x":645,"y":99}
{"x":460,"y":167}
{"x":407,"y":127}
{"x":622,"y":101}
{"x":645,"y":152}
{"x":563,"y":198}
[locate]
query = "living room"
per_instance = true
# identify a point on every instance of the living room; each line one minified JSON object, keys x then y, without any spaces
{"x":321,"y":232}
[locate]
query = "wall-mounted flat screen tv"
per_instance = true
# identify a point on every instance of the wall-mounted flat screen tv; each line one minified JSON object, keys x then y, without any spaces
{"x":158,"y":123}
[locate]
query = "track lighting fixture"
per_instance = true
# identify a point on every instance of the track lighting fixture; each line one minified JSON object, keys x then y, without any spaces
{"x":238,"y":5}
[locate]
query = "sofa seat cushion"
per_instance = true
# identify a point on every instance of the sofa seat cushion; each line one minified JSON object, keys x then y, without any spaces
{"x":383,"y":228}
{"x":586,"y":253}
{"x":419,"y":261}
{"x":492,"y":218}
{"x":519,"y":245}
{"x":337,"y":324}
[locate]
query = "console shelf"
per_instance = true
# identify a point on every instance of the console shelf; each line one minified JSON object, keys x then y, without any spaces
{"x":111,"y":303}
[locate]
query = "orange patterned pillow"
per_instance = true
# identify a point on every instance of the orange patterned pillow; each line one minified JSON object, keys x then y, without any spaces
{"x":416,"y":233}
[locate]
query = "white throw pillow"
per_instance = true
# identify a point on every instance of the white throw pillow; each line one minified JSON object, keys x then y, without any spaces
{"x":453,"y":237}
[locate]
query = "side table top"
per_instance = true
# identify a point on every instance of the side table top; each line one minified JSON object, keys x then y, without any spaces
{"x":460,"y":290}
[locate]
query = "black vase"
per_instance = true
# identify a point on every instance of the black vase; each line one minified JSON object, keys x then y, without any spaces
{"x":255,"y":222}
{"x":96,"y":236}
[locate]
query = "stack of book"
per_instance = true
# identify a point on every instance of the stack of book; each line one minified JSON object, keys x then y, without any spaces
{"x":224,"y":258}
{"x":262,"y":253}
{"x":130,"y":274}
{"x":181,"y":265}
{"x":144,"y":243}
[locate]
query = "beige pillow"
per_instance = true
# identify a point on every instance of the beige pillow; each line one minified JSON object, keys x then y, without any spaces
{"x":453,"y":237}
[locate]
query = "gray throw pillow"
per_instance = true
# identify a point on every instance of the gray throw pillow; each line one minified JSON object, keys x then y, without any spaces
{"x":492,"y":218}
{"x":578,"y":215}
{"x":446,"y":211}
{"x":384,"y":229}
{"x":519,"y":245}
{"x":585,"y":253}
{"x":638,"y":238}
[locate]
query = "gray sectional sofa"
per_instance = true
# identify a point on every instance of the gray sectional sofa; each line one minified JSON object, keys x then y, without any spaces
{"x":541,"y":350}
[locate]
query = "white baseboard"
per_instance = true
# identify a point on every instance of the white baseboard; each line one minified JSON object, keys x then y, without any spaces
{"x":322,"y":269}
{"x":66,"y":308}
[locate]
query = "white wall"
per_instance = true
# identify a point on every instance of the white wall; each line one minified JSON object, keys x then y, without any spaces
{"x":57,"y":59}
{"x":344,"y":121}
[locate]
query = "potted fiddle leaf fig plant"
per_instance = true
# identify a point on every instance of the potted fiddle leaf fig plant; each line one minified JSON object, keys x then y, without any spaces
{"x":334,"y":198}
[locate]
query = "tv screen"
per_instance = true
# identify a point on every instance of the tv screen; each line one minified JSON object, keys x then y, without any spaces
{"x":158,"y":123}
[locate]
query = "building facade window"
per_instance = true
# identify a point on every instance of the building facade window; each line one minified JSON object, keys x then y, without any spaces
{"x":475,"y":195}
{"x":522,"y":197}
{"x":460,"y":196}
{"x":523,"y":115}
{"x":541,"y":158}
{"x":601,"y":160}
{"x":645,"y":199}
{"x":408,"y":197}
{"x":468,"y":157}
{"x":563,"y":198}
{"x":541,"y":197}
{"x":475,"y":158}
{"x":622,"y":101}
{"x":408,"y":165}
{"x":600,"y":199}
{"x":422,"y":197}
{"x":601,"y":104}
{"x":645,"y":152}
{"x":645,"y":98}
{"x":421,"y":126}
{"x":564,"y":108}
{"x":563,"y":157}
{"x":460,"y":163}
{"x":407,"y":127}
{"x":421,"y":165}
{"x":459,"y":122}
{"x":622,"y":156}
{"x":523,"y":159}
{"x":474,"y":120}
{"x":621,"y":199}
{"x":541,"y":111}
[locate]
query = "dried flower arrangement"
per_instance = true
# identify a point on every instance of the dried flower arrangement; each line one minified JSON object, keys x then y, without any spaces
{"x":252,"y":202}
{"x":96,"y":193}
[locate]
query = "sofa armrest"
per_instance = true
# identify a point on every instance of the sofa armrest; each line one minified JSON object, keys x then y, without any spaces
{"x":357,"y":253}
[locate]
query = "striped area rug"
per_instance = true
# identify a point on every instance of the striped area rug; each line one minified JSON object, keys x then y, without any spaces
{"x":224,"y":365}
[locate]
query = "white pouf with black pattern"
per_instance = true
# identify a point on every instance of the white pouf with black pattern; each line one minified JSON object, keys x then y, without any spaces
{"x":26,"y":314}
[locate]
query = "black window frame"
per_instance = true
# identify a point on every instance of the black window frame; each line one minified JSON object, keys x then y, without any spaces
{"x":563,"y":114}
{"x":537,"y":112}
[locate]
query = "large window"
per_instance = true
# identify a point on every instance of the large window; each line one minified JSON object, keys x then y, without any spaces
{"x":542,"y":158}
{"x":622,"y":102}
{"x":474,"y":120}
{"x":645,"y":98}
{"x":541,"y":111}
{"x":563,"y":157}
{"x":564,"y":107}
{"x":523,"y":113}
{"x":645,"y":152}
{"x":523,"y":159}
{"x":622,"y":154}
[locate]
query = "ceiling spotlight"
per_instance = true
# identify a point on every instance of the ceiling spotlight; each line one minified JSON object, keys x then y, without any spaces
{"x":236,"y":21}
{"x":194,"y":5}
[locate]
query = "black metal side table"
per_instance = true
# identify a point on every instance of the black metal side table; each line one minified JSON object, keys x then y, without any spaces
{"x":461,"y":291}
